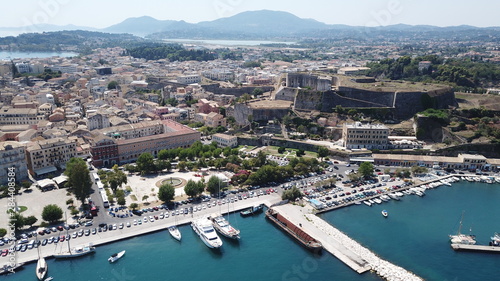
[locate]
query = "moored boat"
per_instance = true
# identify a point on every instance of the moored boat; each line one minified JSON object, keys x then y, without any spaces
{"x":296,"y":232}
{"x":367,"y":203}
{"x":76,"y":252}
{"x":459,"y":238}
{"x":223,"y":227}
{"x":10,"y":268}
{"x":174,"y":232}
{"x":206,"y":232}
{"x":116,"y":256}
{"x":41,"y":268}
{"x":253,"y":210}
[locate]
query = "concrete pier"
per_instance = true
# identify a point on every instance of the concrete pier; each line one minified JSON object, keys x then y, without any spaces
{"x":475,"y":248}
{"x":341,"y":246}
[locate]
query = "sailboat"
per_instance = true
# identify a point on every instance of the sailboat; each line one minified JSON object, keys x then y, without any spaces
{"x":41,"y":267}
{"x":75,"y":251}
{"x":223,"y":226}
{"x":460,"y":238}
{"x":174,"y":231}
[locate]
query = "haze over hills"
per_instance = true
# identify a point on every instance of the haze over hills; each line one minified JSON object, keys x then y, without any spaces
{"x":263,"y":24}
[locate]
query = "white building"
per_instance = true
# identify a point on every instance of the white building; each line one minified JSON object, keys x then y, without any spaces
{"x":46,"y":156}
{"x":224,"y":140}
{"x":189,"y":79}
{"x":365,"y":136}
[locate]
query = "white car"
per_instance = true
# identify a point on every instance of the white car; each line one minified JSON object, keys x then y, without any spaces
{"x":121,"y":225}
{"x":134,"y":222}
{"x":128,"y":224}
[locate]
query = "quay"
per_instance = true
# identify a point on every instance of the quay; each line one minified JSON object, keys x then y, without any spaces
{"x":107,"y":237}
{"x":341,"y":246}
{"x":475,"y":248}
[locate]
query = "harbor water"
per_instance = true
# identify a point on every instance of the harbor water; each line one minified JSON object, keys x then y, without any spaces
{"x":414,"y":236}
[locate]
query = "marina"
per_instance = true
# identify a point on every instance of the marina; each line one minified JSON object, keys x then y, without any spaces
{"x":344,"y":248}
{"x":475,"y":248}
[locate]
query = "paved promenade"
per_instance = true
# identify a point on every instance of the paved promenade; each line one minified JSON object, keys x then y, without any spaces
{"x":136,"y":230}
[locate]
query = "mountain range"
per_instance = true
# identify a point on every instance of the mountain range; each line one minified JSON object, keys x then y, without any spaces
{"x":263,"y":24}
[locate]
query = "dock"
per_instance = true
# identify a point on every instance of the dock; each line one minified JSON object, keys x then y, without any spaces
{"x":347,"y":250}
{"x":475,"y":248}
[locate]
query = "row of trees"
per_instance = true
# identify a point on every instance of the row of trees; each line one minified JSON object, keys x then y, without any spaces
{"x":192,"y":188}
{"x":172,"y":52}
{"x":51,"y":213}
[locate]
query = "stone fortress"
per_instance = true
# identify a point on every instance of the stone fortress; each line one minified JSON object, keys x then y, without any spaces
{"x":311,"y":92}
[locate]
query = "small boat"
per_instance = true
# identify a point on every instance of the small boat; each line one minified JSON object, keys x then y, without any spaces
{"x":9,"y":268}
{"x":385,"y":213}
{"x":174,"y":231}
{"x":116,"y":256}
{"x":41,"y":268}
{"x":367,"y":203}
{"x":253,"y":210}
{"x":377,"y":200}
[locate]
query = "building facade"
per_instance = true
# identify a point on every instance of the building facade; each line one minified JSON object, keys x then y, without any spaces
{"x":12,"y":158}
{"x":365,"y":136}
{"x":48,"y":155}
{"x":20,"y":116}
{"x":224,"y":140}
{"x":461,"y":162}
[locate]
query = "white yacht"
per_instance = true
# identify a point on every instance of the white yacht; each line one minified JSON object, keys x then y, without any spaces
{"x":377,"y":200}
{"x":76,"y":252}
{"x":460,"y":238}
{"x":206,"y":232}
{"x":223,"y":227}
{"x":174,"y":231}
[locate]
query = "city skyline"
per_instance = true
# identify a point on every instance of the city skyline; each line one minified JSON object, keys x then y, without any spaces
{"x":95,"y":14}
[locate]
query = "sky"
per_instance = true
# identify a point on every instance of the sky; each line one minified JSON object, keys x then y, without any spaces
{"x":104,"y":13}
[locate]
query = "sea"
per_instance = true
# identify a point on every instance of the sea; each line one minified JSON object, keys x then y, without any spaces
{"x":414,"y":236}
{"x":226,"y":42}
{"x":5,"y":55}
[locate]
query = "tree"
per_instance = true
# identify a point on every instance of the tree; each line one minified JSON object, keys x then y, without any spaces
{"x":416,"y":170}
{"x":300,"y":152}
{"x":70,"y":202}
{"x":121,"y":201}
{"x":281,"y":150}
{"x":257,"y":92}
{"x":192,"y":189}
{"x":366,"y":169}
{"x":182,"y":166}
{"x":214,"y":185}
{"x":145,"y":163}
{"x":78,"y":178}
{"x":112,"y":85}
{"x":323,"y":152}
{"x":145,"y":197}
{"x":17,"y":220}
{"x":166,"y":192}
{"x":3,"y":232}
{"x":52,"y":213}
{"x":134,"y":206}
{"x":30,"y":220}
{"x":291,"y":194}
{"x":116,"y":178}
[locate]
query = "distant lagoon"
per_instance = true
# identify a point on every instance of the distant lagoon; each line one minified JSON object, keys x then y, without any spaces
{"x":5,"y":55}
{"x":226,"y":42}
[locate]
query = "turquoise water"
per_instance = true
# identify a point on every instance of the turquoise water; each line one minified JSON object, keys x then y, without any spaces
{"x":413,"y":236}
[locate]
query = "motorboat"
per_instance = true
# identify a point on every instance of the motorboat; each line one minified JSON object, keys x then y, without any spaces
{"x":385,"y":213}
{"x":206,"y":232}
{"x":385,"y":197}
{"x":116,"y":256}
{"x":223,"y":227}
{"x":377,"y":200}
{"x":41,"y":268}
{"x":76,"y":252}
{"x":174,"y":232}
{"x":367,"y":203}
{"x":253,"y":210}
